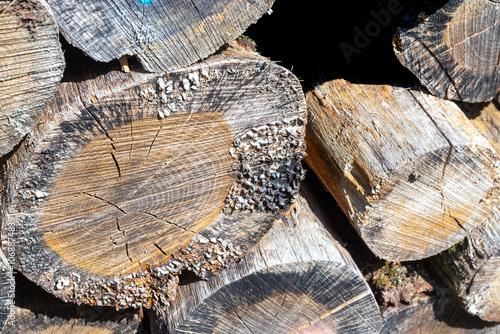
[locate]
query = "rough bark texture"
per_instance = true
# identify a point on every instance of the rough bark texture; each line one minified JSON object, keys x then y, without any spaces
{"x":408,"y":169}
{"x":134,"y":177}
{"x":163,"y":34}
{"x":38,"y":312}
{"x":297,"y":279}
{"x":31,"y":66}
{"x":472,"y":268}
{"x":454,"y":51}
{"x":7,"y":290}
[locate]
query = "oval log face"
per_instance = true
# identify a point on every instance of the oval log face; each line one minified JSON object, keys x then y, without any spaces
{"x":305,"y":297}
{"x":484,"y":293}
{"x":138,"y":192}
{"x":132,"y":178}
{"x":164,"y":34}
{"x":454,"y":52}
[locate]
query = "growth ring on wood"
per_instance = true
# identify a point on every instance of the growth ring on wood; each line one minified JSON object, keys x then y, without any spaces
{"x":163,"y":34}
{"x":135,"y":177}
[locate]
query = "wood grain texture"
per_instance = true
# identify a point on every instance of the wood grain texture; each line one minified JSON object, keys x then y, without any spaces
{"x":297,"y":279}
{"x":455,"y":51}
{"x":163,"y":34}
{"x":471,"y":268}
{"x":408,"y":169}
{"x":31,"y":66}
{"x":134,"y":177}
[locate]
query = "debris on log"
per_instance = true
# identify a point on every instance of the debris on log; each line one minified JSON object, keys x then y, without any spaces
{"x":454,"y":50}
{"x":164,"y":35}
{"x":38,"y":312}
{"x":407,"y":168}
{"x":31,"y":67}
{"x":297,"y":279}
{"x":133,"y":177}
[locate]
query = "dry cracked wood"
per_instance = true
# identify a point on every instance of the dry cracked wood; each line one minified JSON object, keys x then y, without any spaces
{"x":472,"y":268}
{"x":164,"y":34}
{"x":407,"y":168}
{"x":134,"y":177}
{"x":297,"y":279}
{"x":31,"y":66}
{"x":455,"y":52}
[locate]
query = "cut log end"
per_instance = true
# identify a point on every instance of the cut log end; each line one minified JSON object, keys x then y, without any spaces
{"x":125,"y":180}
{"x":294,"y":298}
{"x":32,"y":66}
{"x":430,"y":205}
{"x":454,"y":52}
{"x":131,"y":216}
{"x":407,"y":168}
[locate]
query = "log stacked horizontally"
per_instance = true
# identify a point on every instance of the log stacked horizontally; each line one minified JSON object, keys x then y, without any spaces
{"x":297,"y":279}
{"x":134,"y":177}
{"x":160,"y":193}
{"x":31,"y":67}
{"x":407,"y":168}
{"x":163,"y":34}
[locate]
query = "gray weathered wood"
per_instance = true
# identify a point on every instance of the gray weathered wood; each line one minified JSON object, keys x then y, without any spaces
{"x":407,"y":168}
{"x":472,"y":268}
{"x":31,"y":66}
{"x":7,"y":292}
{"x":455,"y":51}
{"x":297,"y":279}
{"x":134,"y":177}
{"x":163,"y":34}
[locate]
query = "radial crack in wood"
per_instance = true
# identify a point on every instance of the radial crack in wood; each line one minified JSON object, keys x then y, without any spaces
{"x":297,"y":279}
{"x":455,"y":52}
{"x":408,"y":169}
{"x":120,"y":185}
{"x":164,"y":35}
{"x":32,"y":65}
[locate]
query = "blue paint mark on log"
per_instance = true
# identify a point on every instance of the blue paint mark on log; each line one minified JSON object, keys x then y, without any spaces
{"x":145,"y":2}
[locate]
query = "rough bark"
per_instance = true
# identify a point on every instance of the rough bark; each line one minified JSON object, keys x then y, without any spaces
{"x":164,"y":35}
{"x":439,"y":313}
{"x":31,"y":67}
{"x":134,"y":177}
{"x":408,"y":169}
{"x":7,"y":290}
{"x":472,"y":268}
{"x":297,"y":279}
{"x":454,"y":51}
{"x":38,"y":312}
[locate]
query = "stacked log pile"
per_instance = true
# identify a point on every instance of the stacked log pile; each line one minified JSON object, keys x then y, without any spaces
{"x":152,"y":167}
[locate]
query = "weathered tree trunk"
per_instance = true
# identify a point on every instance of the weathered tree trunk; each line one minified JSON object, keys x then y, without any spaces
{"x":163,"y":34}
{"x":38,"y":312}
{"x":408,"y":169}
{"x":472,"y":268}
{"x":7,"y":291}
{"x":438,"y":313}
{"x":454,"y":51}
{"x":297,"y":279}
{"x":133,"y":177}
{"x":31,"y":66}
